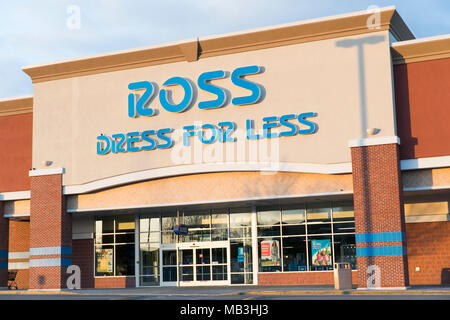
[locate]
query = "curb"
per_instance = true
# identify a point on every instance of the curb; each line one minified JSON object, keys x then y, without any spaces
{"x":344,"y":292}
{"x":38,"y":292}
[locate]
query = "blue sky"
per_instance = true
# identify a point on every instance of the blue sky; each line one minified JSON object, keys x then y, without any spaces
{"x":33,"y":32}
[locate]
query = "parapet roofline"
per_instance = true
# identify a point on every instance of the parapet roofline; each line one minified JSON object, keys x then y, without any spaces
{"x":249,"y":40}
{"x":420,"y":50}
{"x":16,"y":105}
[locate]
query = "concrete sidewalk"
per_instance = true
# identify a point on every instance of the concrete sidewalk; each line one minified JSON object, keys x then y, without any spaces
{"x":237,"y":290}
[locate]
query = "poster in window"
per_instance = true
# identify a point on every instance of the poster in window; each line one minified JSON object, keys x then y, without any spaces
{"x":241,"y":255}
{"x":270,"y":253}
{"x":105,"y":261}
{"x":321,"y":252}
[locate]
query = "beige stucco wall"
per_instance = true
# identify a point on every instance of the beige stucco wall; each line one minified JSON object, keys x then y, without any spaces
{"x":217,"y":187}
{"x":322,"y":77}
{"x":17,"y":208}
{"x":438,"y":178}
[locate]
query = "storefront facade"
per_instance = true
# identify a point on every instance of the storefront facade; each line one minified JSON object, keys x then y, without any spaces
{"x":256,"y":158}
{"x":224,"y":246}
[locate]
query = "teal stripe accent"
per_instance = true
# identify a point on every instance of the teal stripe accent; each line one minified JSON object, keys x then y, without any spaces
{"x":381,"y":251}
{"x":3,"y":264}
{"x":379,"y":237}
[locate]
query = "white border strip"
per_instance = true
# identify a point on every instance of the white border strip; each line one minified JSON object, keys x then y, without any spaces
{"x":15,"y":195}
{"x":373,"y":141}
{"x":16,"y":98}
{"x":425,"y":163}
{"x":16,"y":215}
{"x":425,"y":188}
{"x":428,"y":218}
{"x":18,"y":255}
{"x":420,"y":40}
{"x":45,"y":172}
{"x":18,"y":265}
{"x":338,"y":168}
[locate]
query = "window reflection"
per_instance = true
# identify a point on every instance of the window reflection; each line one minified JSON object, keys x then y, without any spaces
{"x":114,"y":246}
{"x":311,"y":237}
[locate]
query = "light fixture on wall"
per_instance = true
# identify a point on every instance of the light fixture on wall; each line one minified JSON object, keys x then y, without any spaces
{"x":47,"y":163}
{"x":373,"y":131}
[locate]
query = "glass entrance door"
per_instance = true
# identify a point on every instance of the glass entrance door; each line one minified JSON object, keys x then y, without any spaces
{"x":203,"y":264}
{"x":186,"y":268}
{"x":169,"y":267}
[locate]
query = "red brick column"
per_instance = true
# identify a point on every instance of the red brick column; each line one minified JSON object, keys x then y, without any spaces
{"x":4,"y":231}
{"x":19,"y":251}
{"x":50,"y":231}
{"x":379,"y":214}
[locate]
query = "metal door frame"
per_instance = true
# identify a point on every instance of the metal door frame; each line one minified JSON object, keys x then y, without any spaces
{"x":203,"y":245}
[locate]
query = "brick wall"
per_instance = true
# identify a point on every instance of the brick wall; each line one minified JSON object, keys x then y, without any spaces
{"x":115,"y":282}
{"x":300,"y":278}
{"x":50,"y":227}
{"x":428,"y":249}
{"x":19,"y":244}
{"x":378,"y":206}
{"x":4,"y":230}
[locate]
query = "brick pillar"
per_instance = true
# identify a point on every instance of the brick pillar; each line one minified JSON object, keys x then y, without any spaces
{"x":4,"y":234}
{"x":19,"y":251}
{"x":50,"y":231}
{"x":379,"y":214}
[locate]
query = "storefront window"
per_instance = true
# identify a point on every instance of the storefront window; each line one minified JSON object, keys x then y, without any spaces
{"x":306,"y":239}
{"x":219,"y":219}
{"x":245,"y":232}
{"x":293,"y":216}
{"x":269,"y":231}
{"x":149,"y":240}
{"x":240,"y":218}
{"x":241,"y":258}
{"x":125,"y":260}
{"x":345,"y":249}
{"x":343,"y":217}
{"x":343,"y":211}
{"x":271,"y":217}
{"x":294,"y":230}
{"x":320,"y":255}
{"x":294,"y":254}
{"x":289,"y":239}
{"x":318,"y":213}
{"x":196,"y":220}
{"x":241,"y":255}
{"x":114,"y":246}
{"x":168,"y":221}
{"x":319,"y":228}
{"x":149,"y":264}
{"x":149,"y":224}
{"x":219,"y":234}
{"x":269,"y":254}
{"x":219,"y":225}
{"x":197,"y":235}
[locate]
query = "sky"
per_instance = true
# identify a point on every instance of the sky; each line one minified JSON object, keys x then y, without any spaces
{"x":35,"y":32}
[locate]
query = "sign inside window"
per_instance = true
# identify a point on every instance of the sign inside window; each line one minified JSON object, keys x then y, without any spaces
{"x":105,"y":261}
{"x":270,"y":253}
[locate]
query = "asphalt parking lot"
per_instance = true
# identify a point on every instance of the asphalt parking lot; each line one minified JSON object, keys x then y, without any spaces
{"x":231,"y":293}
